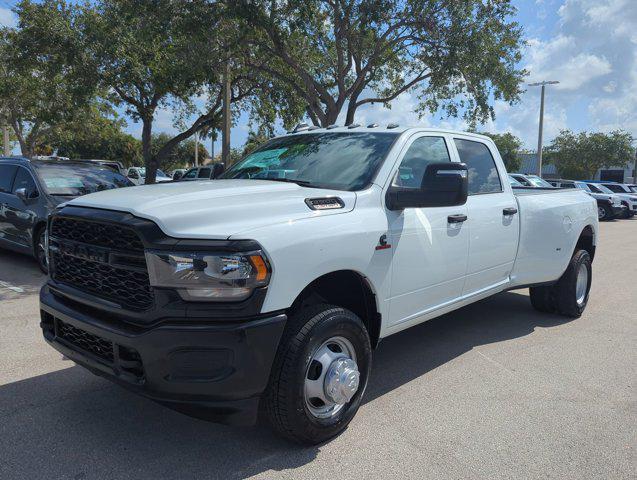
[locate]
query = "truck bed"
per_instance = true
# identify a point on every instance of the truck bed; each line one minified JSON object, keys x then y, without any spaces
{"x":551,"y":221}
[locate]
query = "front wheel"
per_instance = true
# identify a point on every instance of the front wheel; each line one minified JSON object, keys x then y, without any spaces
{"x":39,"y":249}
{"x":319,"y":374}
{"x":604,"y":212}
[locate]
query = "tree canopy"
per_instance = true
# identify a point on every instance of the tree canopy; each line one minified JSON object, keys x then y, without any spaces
{"x":342,"y":54}
{"x":580,"y":155}
{"x":43,"y":72}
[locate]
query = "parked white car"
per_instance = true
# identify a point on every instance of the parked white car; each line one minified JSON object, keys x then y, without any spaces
{"x":137,"y":175}
{"x":271,"y":286}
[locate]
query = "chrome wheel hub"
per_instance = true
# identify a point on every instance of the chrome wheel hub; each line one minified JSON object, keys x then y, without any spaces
{"x":332,"y":377}
{"x":581,"y":285}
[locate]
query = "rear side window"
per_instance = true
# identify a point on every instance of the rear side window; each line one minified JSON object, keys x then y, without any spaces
{"x":6,"y":177}
{"x":483,"y":174}
{"x":204,"y":173}
{"x":24,"y":179}
{"x":419,"y":155}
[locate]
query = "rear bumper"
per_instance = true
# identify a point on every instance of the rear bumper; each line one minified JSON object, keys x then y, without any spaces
{"x":214,"y":370}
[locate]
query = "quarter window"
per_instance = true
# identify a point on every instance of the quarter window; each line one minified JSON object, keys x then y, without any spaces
{"x":422,"y":152}
{"x":483,"y":174}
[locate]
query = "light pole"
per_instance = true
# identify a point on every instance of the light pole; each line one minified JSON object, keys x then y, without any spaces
{"x":539,"y":135}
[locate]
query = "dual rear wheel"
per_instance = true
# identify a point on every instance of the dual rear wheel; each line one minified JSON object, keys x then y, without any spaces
{"x":569,"y":295}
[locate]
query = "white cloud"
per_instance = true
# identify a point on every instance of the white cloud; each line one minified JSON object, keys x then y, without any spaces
{"x":8,"y":18}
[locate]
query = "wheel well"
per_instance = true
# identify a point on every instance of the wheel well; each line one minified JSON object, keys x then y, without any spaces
{"x":585,"y":241}
{"x":346,"y":289}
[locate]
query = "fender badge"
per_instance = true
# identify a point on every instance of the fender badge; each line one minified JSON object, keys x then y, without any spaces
{"x":382,"y":243}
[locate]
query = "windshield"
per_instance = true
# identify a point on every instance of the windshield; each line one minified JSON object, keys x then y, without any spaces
{"x":633,"y":188}
{"x":538,"y":182}
{"x":583,"y":186}
{"x":340,"y":161}
{"x":77,"y":179}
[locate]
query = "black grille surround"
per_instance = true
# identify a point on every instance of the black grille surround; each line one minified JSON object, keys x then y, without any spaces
{"x":102,"y":259}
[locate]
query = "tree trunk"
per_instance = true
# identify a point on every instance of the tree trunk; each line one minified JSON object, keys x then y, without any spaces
{"x":150,"y":162}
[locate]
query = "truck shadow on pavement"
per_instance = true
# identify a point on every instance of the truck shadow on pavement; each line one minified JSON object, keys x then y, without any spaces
{"x":72,"y":424}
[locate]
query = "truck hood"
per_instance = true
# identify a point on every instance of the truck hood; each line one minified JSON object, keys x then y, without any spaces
{"x":215,"y":209}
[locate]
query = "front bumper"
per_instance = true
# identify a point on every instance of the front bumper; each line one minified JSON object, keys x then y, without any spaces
{"x":214,"y":370}
{"x":618,"y":210}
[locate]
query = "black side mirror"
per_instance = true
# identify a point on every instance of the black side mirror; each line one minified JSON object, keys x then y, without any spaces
{"x":217,"y":170}
{"x":444,"y":184}
{"x":177,"y":175}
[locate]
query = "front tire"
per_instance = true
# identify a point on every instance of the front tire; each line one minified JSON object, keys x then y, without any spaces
{"x":604,"y":212}
{"x":319,"y":374}
{"x":39,"y":249}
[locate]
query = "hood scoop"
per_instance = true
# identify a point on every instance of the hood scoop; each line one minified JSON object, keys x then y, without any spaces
{"x":324,"y":203}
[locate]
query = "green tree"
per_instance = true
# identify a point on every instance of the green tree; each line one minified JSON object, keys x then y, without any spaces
{"x":97,"y":134}
{"x":579,"y":156}
{"x":43,"y":74}
{"x":183,"y":155}
{"x":509,"y":147}
{"x":254,"y":141}
{"x":456,"y":56}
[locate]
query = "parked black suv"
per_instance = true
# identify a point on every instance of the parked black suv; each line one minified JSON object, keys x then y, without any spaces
{"x":31,"y":189}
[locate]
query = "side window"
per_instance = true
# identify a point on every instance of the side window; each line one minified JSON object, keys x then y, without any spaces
{"x":6,"y":177}
{"x":614,"y":188}
{"x":190,"y":173}
{"x":204,"y":173}
{"x":24,"y":179}
{"x":483,"y":174}
{"x":421,"y":152}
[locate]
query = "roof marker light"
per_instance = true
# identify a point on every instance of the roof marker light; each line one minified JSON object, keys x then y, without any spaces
{"x":393,"y":125}
{"x":372,"y":125}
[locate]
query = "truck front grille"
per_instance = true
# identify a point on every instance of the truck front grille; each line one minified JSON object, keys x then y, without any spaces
{"x":94,"y":233}
{"x":102,"y":259}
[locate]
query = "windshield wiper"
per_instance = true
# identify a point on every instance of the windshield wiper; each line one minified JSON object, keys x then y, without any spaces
{"x":303,"y":183}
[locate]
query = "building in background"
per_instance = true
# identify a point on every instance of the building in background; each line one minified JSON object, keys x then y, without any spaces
{"x":621,"y":174}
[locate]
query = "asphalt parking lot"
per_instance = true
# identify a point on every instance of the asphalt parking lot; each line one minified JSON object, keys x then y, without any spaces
{"x":495,"y":390}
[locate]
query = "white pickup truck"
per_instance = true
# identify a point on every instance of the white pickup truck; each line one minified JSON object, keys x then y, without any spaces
{"x":266,"y":292}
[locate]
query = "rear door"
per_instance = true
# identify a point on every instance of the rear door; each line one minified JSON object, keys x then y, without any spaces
{"x":493,"y":217}
{"x":429,"y":252}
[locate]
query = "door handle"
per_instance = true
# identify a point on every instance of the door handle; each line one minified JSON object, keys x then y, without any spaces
{"x":510,"y":211}
{"x":459,"y":218}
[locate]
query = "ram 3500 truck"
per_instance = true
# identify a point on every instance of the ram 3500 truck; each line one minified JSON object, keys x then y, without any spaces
{"x":265,"y":292}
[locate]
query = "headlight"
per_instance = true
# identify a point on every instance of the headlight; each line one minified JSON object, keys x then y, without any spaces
{"x":208,"y":277}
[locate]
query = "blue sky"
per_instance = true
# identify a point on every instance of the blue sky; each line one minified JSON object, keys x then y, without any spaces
{"x":590,"y":46}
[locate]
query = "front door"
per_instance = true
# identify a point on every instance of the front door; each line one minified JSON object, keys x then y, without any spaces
{"x":20,"y":215}
{"x":430,"y":252}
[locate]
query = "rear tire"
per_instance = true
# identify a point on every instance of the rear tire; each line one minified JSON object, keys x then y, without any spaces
{"x":572,"y":289}
{"x":293,"y":412}
{"x":542,"y":299}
